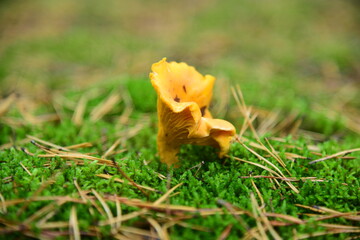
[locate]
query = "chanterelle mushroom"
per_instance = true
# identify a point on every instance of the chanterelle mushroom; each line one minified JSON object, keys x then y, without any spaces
{"x":184,"y":96}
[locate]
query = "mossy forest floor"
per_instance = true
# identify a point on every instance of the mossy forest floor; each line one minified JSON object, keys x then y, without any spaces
{"x":78,"y":120}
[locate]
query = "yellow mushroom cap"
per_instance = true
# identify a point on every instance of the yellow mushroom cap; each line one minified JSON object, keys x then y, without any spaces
{"x":184,"y":96}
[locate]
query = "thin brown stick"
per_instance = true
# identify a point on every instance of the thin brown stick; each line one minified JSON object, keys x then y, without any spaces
{"x":74,"y":231}
{"x":22,"y":165}
{"x":335,"y":155}
{"x":129,"y":179}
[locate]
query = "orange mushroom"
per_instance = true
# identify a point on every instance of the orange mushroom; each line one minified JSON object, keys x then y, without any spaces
{"x":184,"y":97}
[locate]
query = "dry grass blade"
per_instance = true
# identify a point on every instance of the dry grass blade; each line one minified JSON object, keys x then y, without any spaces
{"x":246,"y":114}
{"x":353,"y":237}
{"x":59,"y":152}
{"x":79,"y":145}
{"x":42,"y":212}
{"x":260,"y":157}
{"x":315,"y":209}
{"x":351,"y":118}
{"x":12,"y":144}
{"x":296,"y":126}
{"x":252,"y":233}
{"x":332,"y":213}
{"x":225,"y":233}
{"x":118,"y":213}
{"x":51,"y":180}
{"x":259,"y":224}
{"x":106,"y":208}
{"x":139,"y":231}
{"x":28,"y":172}
{"x":279,"y":173}
{"x":276,"y":155}
{"x":48,"y":216}
{"x":243,"y":109}
{"x":112,"y":148}
{"x":122,"y":218}
{"x":6,"y":103}
{"x":289,"y":121}
{"x":258,"y":193}
{"x":129,"y":179}
{"x":133,"y":131}
{"x":81,"y":193}
{"x":78,"y":116}
{"x":50,"y":225}
{"x":74,"y":231}
{"x":329,"y":232}
{"x":3,"y":209}
{"x":292,"y":179}
{"x":8,"y":179}
{"x":221,"y":97}
{"x":233,"y":211}
{"x":260,"y":166}
{"x":174,"y":208}
{"x":86,"y":199}
{"x":335,"y":155}
{"x":124,"y":118}
{"x":107,"y":176}
{"x":246,"y":125}
{"x":268,"y":123}
{"x":338,"y":226}
{"x":163,"y":235}
{"x":104,"y":107}
{"x":47,"y":143}
{"x":157,"y":206}
{"x":255,"y":164}
{"x":13,"y":202}
{"x":13,"y":121}
{"x":264,"y":219}
{"x":187,"y":225}
{"x":166,"y":195}
{"x":25,"y":108}
{"x":288,"y":155}
{"x":122,"y":237}
{"x":75,"y":156}
{"x":285,"y":217}
{"x":348,"y":215}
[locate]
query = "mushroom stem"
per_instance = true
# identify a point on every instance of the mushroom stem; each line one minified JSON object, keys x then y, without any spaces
{"x":167,"y":152}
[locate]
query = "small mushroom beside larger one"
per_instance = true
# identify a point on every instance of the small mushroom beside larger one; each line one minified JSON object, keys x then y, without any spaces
{"x":184,"y":96}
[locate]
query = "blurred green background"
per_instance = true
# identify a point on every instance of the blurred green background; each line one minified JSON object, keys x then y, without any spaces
{"x":299,"y":56}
